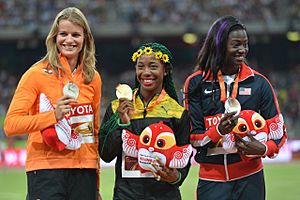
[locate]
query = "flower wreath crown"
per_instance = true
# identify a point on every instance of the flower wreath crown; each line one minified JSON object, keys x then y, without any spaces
{"x":148,"y":51}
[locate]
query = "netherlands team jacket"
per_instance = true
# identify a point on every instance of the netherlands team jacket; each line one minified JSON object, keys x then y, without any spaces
{"x":24,"y":117}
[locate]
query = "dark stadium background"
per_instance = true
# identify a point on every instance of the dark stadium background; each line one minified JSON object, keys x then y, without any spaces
{"x":120,"y":26}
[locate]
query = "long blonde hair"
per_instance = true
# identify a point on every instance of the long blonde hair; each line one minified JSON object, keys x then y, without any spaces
{"x":87,"y":54}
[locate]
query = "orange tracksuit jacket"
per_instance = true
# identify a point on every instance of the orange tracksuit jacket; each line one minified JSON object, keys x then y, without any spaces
{"x":23,"y":117}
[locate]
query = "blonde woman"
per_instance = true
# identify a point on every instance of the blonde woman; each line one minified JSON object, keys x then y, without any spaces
{"x":57,"y":102}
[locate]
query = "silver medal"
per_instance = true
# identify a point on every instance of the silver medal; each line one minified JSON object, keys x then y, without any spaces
{"x":71,"y":90}
{"x":232,"y":105}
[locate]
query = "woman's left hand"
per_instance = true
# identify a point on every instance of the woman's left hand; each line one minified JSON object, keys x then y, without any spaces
{"x":163,"y":173}
{"x":98,"y":197}
{"x":253,"y":147}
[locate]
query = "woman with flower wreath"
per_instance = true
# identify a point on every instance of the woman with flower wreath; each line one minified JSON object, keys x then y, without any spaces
{"x":154,"y":100}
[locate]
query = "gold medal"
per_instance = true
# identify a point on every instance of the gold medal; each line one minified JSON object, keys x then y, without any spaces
{"x":124,"y":91}
{"x":71,"y":90}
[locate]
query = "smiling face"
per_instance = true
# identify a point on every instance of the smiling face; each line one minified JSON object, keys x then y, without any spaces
{"x":69,"y":40}
{"x":150,"y":74}
{"x":237,"y":48}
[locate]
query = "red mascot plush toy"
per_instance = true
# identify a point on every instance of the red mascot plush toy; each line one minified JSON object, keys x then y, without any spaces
{"x":249,"y":122}
{"x":157,"y":141}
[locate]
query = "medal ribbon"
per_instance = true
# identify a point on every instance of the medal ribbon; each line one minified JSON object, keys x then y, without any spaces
{"x":61,"y":81}
{"x":64,"y":63}
{"x":71,"y":81}
{"x":222,"y":87}
{"x":158,"y":100}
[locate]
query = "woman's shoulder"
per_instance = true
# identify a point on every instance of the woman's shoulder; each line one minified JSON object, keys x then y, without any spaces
{"x":38,"y":69}
{"x":260,"y":77}
{"x":194,"y":78}
{"x":172,"y":105}
{"x":97,"y":74}
{"x":195,"y":75}
{"x":114,"y":105}
{"x":97,"y":78}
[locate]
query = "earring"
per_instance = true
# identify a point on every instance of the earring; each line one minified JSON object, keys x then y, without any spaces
{"x":165,"y":74}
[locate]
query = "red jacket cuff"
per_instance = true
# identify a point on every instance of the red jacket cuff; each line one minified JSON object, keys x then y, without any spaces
{"x":271,"y":148}
{"x":214,"y":134}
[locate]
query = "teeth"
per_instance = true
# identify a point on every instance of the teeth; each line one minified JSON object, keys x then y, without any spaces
{"x":69,"y":46}
{"x":148,"y":81}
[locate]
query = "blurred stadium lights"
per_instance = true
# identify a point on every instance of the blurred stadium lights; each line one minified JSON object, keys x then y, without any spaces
{"x":190,"y":38}
{"x":293,"y":36}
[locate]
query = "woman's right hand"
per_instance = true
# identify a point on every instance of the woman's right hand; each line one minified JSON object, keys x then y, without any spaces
{"x":163,"y":173}
{"x":63,"y":107}
{"x":125,"y":110}
{"x":227,"y":123}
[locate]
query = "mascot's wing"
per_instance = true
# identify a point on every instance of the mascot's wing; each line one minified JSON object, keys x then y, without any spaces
{"x":276,"y":127}
{"x":181,"y":156}
{"x":130,"y":141}
{"x":58,"y":136}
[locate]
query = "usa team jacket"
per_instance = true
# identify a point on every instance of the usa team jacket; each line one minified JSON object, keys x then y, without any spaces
{"x":166,"y":110}
{"x":254,"y":93}
{"x":24,"y":117}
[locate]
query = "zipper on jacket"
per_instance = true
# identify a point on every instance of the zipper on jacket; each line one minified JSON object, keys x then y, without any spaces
{"x":164,"y":109}
{"x":145,"y":112}
{"x":146,"y":106}
{"x":225,"y":166}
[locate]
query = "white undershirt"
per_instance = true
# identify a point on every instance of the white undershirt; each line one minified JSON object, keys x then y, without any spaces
{"x":228,"y":79}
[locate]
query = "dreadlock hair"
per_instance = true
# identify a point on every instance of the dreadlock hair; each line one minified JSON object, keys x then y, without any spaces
{"x":212,"y":55}
{"x":168,"y":83}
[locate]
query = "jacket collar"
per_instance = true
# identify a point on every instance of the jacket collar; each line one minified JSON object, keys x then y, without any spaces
{"x":244,"y":73}
{"x":65,"y":64}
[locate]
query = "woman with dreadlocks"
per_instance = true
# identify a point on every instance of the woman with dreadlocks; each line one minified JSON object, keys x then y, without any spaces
{"x":154,"y":100}
{"x":221,"y":73}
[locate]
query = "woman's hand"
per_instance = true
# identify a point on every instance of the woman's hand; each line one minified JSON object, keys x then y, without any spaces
{"x":163,"y":173}
{"x":227,"y":123}
{"x":125,"y":110}
{"x":98,"y":196}
{"x":254,"y":147}
{"x":63,"y":107}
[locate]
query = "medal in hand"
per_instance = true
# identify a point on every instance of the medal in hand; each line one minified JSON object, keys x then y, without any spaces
{"x":232,"y":105}
{"x":71,"y":90}
{"x":124,"y":91}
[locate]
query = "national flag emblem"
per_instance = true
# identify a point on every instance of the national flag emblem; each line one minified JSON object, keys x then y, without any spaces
{"x":244,"y":91}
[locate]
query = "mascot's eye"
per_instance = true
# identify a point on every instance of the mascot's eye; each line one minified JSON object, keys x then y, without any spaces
{"x":146,"y":139}
{"x":161,"y":143}
{"x":242,"y":128}
{"x":258,"y":123}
